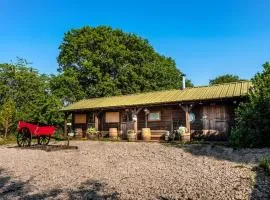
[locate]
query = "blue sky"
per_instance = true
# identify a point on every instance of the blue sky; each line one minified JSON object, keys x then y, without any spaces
{"x":206,"y":38}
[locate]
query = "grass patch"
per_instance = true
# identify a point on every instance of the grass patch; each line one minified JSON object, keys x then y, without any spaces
{"x":240,"y":166}
{"x":10,"y":139}
{"x":176,"y":144}
{"x":264,"y":164}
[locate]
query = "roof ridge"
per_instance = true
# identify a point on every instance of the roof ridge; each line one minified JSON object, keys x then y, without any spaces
{"x":165,"y":96}
{"x":149,"y":92}
{"x":219,"y":84}
{"x":121,"y":95}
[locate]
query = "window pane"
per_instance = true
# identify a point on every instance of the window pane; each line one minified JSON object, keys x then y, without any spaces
{"x":112,"y":117}
{"x":80,"y":118}
{"x":154,"y":116}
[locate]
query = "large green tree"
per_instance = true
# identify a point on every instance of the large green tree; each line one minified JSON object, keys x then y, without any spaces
{"x":31,"y":94}
{"x":252,"y":127}
{"x":103,"y":61}
{"x":7,"y":115}
{"x":227,"y":78}
{"x":66,"y":87}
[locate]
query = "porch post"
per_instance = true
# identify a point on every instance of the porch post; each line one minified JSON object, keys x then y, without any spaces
{"x":120,"y":122}
{"x":65,"y":124}
{"x":136,"y":126}
{"x":135,"y":113}
{"x":146,"y":120}
{"x":96,"y":121}
{"x":187,"y":120}
{"x":186,"y":109}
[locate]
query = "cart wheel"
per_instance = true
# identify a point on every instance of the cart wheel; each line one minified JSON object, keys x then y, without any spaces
{"x":24,"y":137}
{"x":44,"y":140}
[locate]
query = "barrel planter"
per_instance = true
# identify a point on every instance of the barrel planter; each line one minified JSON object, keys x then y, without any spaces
{"x":146,"y":134}
{"x":185,"y":137}
{"x":113,"y":133}
{"x":131,"y":135}
{"x":78,"y":132}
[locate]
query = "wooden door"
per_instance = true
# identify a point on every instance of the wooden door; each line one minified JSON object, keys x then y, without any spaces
{"x":215,"y":120}
{"x":125,"y":126}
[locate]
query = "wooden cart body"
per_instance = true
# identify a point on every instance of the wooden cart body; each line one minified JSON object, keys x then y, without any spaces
{"x":26,"y":131}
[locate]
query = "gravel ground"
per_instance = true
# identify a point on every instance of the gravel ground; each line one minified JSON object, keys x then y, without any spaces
{"x":121,"y":170}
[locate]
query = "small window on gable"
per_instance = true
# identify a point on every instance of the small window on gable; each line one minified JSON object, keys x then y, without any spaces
{"x":154,"y":116}
{"x":112,"y":117}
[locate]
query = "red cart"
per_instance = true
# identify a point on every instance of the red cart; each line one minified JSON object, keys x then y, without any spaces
{"x":26,"y":131}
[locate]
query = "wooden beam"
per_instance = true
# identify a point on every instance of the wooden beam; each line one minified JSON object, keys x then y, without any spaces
{"x":65,"y":124}
{"x":146,"y":119}
{"x":96,"y":121}
{"x":136,"y":126}
{"x":186,"y":109}
{"x":120,"y":121}
{"x":171,"y":116}
{"x":138,"y":110}
{"x":187,"y":121}
{"x":135,"y":113}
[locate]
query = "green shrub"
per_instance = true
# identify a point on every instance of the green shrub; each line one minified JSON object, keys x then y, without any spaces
{"x":59,"y":134}
{"x":264,"y":163}
{"x":252,"y":127}
{"x":11,"y":138}
{"x":92,"y":131}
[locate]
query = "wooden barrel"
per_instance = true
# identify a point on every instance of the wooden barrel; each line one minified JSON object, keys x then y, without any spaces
{"x":131,"y":135}
{"x":185,"y":137}
{"x":78,"y":132}
{"x":146,"y":134}
{"x":113,"y":133}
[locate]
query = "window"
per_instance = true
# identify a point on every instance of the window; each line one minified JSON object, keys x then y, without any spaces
{"x":154,"y":116}
{"x":192,"y":118}
{"x":112,"y":117}
{"x":80,"y":119}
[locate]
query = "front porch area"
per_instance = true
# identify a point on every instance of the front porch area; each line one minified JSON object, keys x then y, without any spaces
{"x":205,"y":119}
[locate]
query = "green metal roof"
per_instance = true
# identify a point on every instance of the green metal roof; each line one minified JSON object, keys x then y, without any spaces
{"x":215,"y":92}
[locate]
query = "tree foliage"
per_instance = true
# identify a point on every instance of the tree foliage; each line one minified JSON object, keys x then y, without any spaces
{"x":7,"y":115}
{"x":227,"y":78}
{"x":93,"y":62}
{"x":30,"y":94}
{"x":104,"y":62}
{"x":252,"y":127}
{"x":66,"y":87}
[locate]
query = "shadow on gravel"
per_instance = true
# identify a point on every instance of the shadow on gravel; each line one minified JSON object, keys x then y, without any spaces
{"x":261,"y":184}
{"x":47,"y":147}
{"x":15,"y":189}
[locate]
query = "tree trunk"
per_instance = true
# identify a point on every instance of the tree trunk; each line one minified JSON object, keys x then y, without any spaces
{"x":6,"y":130}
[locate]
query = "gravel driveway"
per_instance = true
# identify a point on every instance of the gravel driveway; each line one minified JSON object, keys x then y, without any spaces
{"x":121,"y":170}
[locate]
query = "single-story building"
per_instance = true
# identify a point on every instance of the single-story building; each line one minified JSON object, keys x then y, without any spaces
{"x":206,"y":111}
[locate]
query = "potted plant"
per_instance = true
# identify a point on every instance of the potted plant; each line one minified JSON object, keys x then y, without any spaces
{"x":131,"y":135}
{"x":183,"y":132}
{"x":91,"y":133}
{"x":167,"y":136}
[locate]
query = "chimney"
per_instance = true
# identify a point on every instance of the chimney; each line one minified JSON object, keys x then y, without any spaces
{"x":183,"y":81}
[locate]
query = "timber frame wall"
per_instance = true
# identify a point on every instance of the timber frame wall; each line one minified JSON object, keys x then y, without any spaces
{"x":213,"y":120}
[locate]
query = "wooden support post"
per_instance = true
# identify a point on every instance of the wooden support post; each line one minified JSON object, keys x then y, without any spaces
{"x":146,"y":113}
{"x":65,"y":124}
{"x":187,"y":109}
{"x":120,"y":121}
{"x":136,"y":126}
{"x":146,"y":118}
{"x":96,"y":121}
{"x":135,"y":113}
{"x":187,"y":121}
{"x":171,"y":121}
